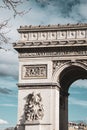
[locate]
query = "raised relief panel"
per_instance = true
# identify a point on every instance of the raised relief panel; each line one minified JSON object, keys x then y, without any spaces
{"x":52,"y":35}
{"x":42,"y":36}
{"x":25,"y":36}
{"x":71,"y":34}
{"x":34,"y":71}
{"x":32,"y":36}
{"x":81,"y":34}
{"x":33,"y":108}
{"x":61,"y":35}
{"x":58,"y":64}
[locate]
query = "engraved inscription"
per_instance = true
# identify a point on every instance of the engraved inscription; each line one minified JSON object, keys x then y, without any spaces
{"x":34,"y":71}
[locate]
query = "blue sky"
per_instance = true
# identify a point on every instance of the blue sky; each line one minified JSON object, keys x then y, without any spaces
{"x":78,"y":101}
{"x":42,"y":12}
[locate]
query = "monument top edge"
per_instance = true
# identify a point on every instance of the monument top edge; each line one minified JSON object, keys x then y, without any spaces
{"x":57,"y":26}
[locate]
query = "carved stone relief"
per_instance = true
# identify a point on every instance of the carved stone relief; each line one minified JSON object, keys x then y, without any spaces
{"x":54,"y":35}
{"x":81,"y":34}
{"x":51,"y":43}
{"x":61,"y":52}
{"x":58,"y":64}
{"x":34,"y":71}
{"x":34,"y":107}
{"x":83,"y":61}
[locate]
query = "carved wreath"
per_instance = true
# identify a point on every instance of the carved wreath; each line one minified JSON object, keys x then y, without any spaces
{"x":33,"y":107}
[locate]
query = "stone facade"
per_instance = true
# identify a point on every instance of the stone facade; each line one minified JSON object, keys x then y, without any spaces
{"x":50,"y":59}
{"x":77,"y":126}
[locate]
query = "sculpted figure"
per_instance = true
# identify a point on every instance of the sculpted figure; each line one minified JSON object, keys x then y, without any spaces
{"x":33,"y":107}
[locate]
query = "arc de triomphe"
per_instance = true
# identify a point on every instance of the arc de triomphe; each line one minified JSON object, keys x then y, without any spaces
{"x":51,"y":58}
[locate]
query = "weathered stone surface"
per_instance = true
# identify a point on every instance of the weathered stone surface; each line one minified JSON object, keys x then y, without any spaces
{"x":50,"y":59}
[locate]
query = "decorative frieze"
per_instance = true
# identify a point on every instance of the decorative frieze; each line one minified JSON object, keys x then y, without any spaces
{"x":34,"y":71}
{"x":54,"y":35}
{"x":59,"y":53}
{"x":34,"y":108}
{"x":50,"y":43}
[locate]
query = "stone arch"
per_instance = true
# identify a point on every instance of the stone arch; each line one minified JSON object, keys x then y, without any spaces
{"x":68,"y":66}
{"x":65,"y":76}
{"x":71,"y":74}
{"x":57,"y":55}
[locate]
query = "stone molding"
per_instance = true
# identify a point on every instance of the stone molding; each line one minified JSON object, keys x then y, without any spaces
{"x":56,"y":43}
{"x":56,"y":52}
{"x":50,"y":27}
{"x":52,"y":35}
{"x":38,"y":86}
{"x":34,"y":71}
{"x":83,"y":61}
{"x":57,"y":64}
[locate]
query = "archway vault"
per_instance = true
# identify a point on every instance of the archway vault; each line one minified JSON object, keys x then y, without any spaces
{"x":68,"y":73}
{"x":71,"y":74}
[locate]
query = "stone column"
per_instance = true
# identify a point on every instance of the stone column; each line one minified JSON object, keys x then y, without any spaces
{"x":63,"y":111}
{"x":38,"y":96}
{"x":38,"y":107}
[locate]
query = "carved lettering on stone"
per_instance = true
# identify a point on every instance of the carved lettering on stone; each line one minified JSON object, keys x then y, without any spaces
{"x":34,"y":107}
{"x":34,"y":71}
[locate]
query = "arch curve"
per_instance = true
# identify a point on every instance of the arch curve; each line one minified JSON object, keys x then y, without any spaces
{"x":70,"y":72}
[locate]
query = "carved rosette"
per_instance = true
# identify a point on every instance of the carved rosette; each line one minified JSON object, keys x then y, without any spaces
{"x":34,"y":108}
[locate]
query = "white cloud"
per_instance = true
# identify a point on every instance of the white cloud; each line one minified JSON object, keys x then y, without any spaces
{"x":8,"y":63}
{"x":75,"y":92}
{"x":3,"y":122}
{"x":8,"y":105}
{"x":80,"y":84}
{"x":75,"y":101}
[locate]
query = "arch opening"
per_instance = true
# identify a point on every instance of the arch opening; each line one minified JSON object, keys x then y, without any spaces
{"x":77,"y":102}
{"x":69,"y":75}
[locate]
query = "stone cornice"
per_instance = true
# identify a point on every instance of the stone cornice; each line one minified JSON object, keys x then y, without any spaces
{"x":52,"y":36}
{"x":52,"y":27}
{"x":38,"y":86}
{"x":46,"y":44}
